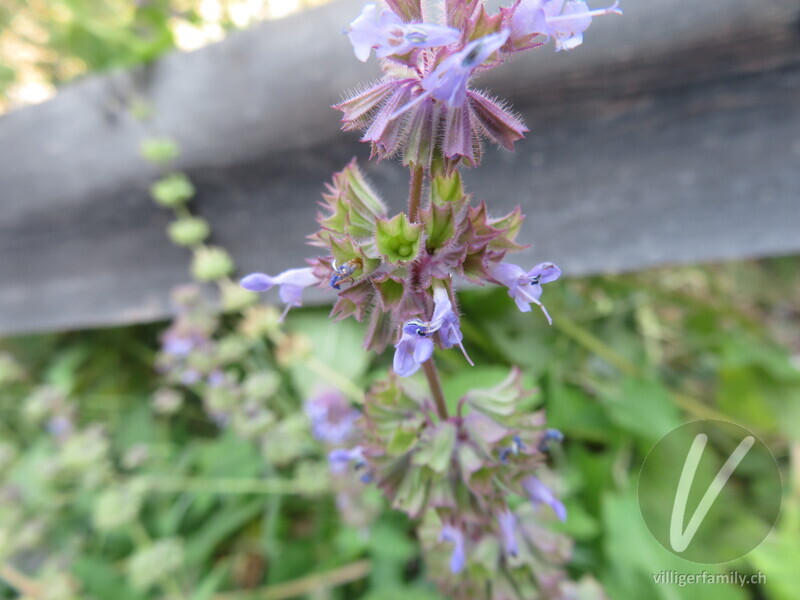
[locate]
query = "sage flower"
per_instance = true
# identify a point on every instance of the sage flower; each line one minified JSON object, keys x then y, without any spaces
{"x":508,"y":526}
{"x":446,"y":321}
{"x":458,"y":559}
{"x":413,"y":349}
{"x":332,"y":418}
{"x":292,"y":283}
{"x":539,"y":493}
{"x":389,"y":35}
{"x":525,"y":287}
{"x":448,"y":82}
{"x":565,"y":22}
{"x":341,"y":458}
{"x":416,"y":343}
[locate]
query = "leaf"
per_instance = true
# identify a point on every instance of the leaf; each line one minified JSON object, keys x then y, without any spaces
{"x":202,"y":543}
{"x":642,"y":407}
{"x":337,"y":347}
{"x":101,"y":579}
{"x":635,"y":557}
{"x":436,"y":448}
{"x":503,"y":399}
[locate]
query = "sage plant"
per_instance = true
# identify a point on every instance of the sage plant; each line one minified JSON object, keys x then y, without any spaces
{"x":471,"y":470}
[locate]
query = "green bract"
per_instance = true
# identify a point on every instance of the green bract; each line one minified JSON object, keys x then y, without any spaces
{"x":173,"y":190}
{"x":189,"y":231}
{"x":211,"y":263}
{"x":397,"y":239}
{"x":160,"y":150}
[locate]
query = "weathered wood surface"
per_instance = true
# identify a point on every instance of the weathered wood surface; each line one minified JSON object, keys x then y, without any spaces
{"x":671,"y":136}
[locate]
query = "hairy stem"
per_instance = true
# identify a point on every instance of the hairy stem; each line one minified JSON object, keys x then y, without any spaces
{"x":429,"y":367}
{"x":415,"y":193}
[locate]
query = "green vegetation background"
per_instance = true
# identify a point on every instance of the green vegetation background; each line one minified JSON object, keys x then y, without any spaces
{"x":629,"y":358}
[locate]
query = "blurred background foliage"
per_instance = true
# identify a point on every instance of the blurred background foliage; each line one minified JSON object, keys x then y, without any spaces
{"x":121,"y":477}
{"x":162,"y":498}
{"x":44,"y":43}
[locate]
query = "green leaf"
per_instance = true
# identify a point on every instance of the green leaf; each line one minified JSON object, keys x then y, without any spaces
{"x":101,"y":579}
{"x":202,"y":543}
{"x":412,"y":492}
{"x":337,"y":349}
{"x":503,"y":399}
{"x":635,"y":557}
{"x":436,"y":448}
{"x":402,"y":441}
{"x":643,"y":407}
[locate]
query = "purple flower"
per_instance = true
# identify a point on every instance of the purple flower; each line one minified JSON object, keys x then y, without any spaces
{"x":565,"y":22}
{"x":539,"y":493}
{"x":448,"y":82}
{"x":455,"y":536}
{"x":412,"y":111}
{"x":60,"y":426}
{"x":332,"y":418}
{"x":341,"y":458}
{"x":389,"y":35}
{"x":508,"y":526}
{"x":291,"y":282}
{"x":416,"y":346}
{"x":515,"y":448}
{"x":182,"y":338}
{"x":525,"y":287}
{"x":413,"y":349}
{"x":447,"y":323}
{"x":550,"y":435}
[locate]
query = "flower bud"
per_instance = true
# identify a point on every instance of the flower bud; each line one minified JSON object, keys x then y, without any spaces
{"x":10,"y":371}
{"x":159,"y":150}
{"x":167,"y":401}
{"x":154,"y":563}
{"x":235,"y":298}
{"x":261,"y":385}
{"x":260,"y":321}
{"x":211,"y":263}
{"x":118,"y":506}
{"x":172,"y":191}
{"x":189,"y":231}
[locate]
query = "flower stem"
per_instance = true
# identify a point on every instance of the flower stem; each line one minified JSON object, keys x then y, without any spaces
{"x":415,"y":193}
{"x":429,"y":367}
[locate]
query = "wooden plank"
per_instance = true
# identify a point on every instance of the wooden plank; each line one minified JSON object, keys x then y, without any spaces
{"x":672,"y":136}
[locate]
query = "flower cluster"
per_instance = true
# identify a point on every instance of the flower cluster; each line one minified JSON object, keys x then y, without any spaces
{"x":424,"y":108}
{"x":464,"y":467}
{"x":399,"y":275}
{"x":476,"y":480}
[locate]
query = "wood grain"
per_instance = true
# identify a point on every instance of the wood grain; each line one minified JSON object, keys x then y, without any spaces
{"x":671,"y":136}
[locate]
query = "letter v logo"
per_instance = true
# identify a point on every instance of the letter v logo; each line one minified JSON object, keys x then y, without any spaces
{"x":678,"y":539}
